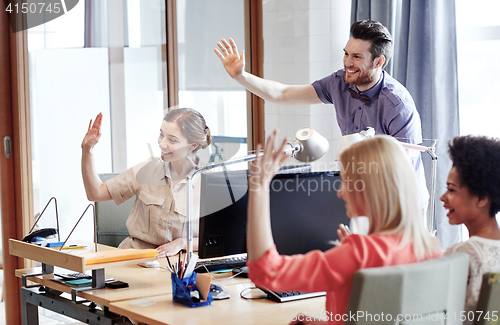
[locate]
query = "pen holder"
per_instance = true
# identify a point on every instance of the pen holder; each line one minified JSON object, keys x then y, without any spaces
{"x":182,"y":288}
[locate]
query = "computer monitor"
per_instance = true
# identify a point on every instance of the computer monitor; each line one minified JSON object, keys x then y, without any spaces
{"x":305,"y":212}
{"x":223,"y":213}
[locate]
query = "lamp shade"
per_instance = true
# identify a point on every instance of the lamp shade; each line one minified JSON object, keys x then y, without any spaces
{"x":346,"y":141}
{"x":311,"y":145}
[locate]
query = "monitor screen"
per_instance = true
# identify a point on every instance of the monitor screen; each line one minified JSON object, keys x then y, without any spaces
{"x":305,"y":212}
{"x":223,"y":213}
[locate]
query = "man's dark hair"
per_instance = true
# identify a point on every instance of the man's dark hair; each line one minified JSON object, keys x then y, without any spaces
{"x":476,"y":161}
{"x":370,"y":30}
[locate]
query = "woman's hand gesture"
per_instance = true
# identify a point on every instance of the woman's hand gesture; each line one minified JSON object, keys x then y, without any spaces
{"x":93,"y":133}
{"x":265,"y":167}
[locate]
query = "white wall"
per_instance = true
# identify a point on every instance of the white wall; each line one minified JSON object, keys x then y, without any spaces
{"x":143,"y":106}
{"x":68,"y":88}
{"x":303,"y":42}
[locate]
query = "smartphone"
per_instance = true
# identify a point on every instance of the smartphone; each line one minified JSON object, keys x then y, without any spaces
{"x":116,"y":284}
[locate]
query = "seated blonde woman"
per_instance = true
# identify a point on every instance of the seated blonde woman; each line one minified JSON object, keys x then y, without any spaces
{"x":472,"y":198}
{"x":378,"y":181}
{"x":158,"y":217}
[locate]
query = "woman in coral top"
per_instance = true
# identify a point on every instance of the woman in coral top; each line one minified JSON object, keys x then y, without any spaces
{"x":378,"y":181}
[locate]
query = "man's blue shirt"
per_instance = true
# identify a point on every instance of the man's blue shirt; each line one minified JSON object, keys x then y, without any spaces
{"x":391,"y":111}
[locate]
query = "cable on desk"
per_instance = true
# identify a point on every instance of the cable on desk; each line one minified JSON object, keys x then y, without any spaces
{"x":219,"y":279}
{"x":243,"y":292}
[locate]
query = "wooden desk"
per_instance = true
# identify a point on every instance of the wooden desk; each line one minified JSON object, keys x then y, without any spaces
{"x":235,"y":310}
{"x":148,"y":284}
{"x":143,"y":282}
{"x":154,"y":285}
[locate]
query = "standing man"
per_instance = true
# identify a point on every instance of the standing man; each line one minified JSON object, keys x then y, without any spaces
{"x":362,"y":93}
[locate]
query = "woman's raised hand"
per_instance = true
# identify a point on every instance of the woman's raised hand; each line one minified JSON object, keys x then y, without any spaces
{"x":233,"y":62}
{"x":265,"y":167}
{"x":93,"y":133}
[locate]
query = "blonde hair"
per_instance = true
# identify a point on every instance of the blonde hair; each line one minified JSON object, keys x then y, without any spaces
{"x":193,"y":126}
{"x":388,"y":190}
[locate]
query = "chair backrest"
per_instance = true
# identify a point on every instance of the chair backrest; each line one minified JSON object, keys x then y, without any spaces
{"x":111,"y":218}
{"x":488,"y":304}
{"x":427,"y":292}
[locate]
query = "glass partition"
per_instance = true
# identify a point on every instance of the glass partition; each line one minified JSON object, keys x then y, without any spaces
{"x":203,"y":82}
{"x":101,"y":56}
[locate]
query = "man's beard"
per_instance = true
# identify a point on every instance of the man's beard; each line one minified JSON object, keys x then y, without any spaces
{"x":361,"y":80}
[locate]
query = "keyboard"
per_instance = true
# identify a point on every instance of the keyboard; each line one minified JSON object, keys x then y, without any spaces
{"x":219,"y":264}
{"x":284,"y":296}
{"x":74,"y":276}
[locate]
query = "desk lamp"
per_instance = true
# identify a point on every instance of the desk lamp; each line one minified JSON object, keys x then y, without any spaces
{"x":348,"y":140}
{"x":308,"y":146}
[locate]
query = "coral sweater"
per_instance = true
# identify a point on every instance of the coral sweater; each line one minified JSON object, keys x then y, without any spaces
{"x":331,"y":271}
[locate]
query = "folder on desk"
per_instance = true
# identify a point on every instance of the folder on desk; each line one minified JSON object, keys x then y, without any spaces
{"x":118,"y":255}
{"x":77,"y":262}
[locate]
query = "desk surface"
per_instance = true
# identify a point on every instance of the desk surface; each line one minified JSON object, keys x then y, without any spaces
{"x":154,"y":284}
{"x":234,"y":310}
{"x":143,"y":282}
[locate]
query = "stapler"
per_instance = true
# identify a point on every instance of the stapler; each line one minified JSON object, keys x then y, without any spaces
{"x":44,"y":232}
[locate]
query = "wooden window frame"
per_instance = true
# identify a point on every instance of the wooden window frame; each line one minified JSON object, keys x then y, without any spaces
{"x":15,"y":172}
{"x":254,"y":43}
{"x":255,"y":62}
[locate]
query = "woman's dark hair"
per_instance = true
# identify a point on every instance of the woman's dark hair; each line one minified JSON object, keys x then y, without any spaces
{"x":378,"y":34}
{"x":476,"y":159}
{"x":192,"y":124}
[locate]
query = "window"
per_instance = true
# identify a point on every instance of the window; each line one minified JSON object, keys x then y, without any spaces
{"x":109,"y":57}
{"x":478,"y":38}
{"x":203,"y":82}
{"x":478,"y":41}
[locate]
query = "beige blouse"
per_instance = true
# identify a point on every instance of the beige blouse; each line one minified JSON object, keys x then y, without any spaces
{"x":159,"y":212}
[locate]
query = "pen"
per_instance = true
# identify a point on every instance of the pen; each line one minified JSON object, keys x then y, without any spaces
{"x":181,"y":269}
{"x":180,"y":264}
{"x":168,"y":260}
{"x":70,"y":247}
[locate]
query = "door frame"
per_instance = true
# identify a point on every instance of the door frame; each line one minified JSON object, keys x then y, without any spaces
{"x":16,"y":185}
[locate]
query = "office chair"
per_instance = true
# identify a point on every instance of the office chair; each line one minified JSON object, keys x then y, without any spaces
{"x":418,"y":293}
{"x":488,"y":304}
{"x":111,"y":218}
